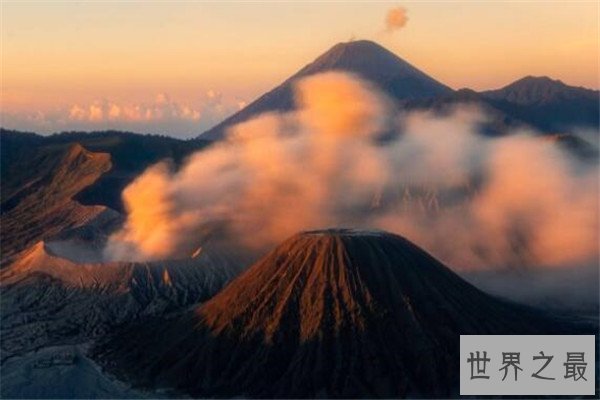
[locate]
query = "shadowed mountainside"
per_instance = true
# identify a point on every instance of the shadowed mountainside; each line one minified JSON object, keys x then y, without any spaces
{"x":58,"y":182}
{"x":394,"y":76}
{"x":50,"y":300}
{"x":547,"y":104}
{"x":130,"y":154}
{"x":37,"y":200}
{"x":334,"y":313}
{"x":542,"y":103}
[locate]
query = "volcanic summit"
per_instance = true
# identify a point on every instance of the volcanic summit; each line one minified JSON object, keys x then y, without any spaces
{"x":329,"y":313}
{"x":394,"y":76}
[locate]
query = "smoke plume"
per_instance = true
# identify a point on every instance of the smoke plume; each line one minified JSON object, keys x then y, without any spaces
{"x":346,"y":158}
{"x":395,"y":19}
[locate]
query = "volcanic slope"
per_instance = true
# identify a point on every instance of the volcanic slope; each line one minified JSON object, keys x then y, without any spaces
{"x":49,"y":300}
{"x":394,"y":76}
{"x":335,"y":313}
{"x":37,"y":200}
{"x":547,"y":105}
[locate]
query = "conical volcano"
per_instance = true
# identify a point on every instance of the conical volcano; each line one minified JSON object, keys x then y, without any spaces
{"x":375,"y":63}
{"x":334,"y":313}
{"x":372,"y":62}
{"x":324,"y":283}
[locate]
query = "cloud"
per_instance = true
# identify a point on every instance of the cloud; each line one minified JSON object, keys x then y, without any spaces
{"x":395,"y":19}
{"x":162,"y":114}
{"x":163,"y":108}
{"x":77,"y":113}
{"x":345,"y":158}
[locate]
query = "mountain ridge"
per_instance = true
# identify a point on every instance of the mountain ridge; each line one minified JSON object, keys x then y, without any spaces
{"x":537,"y":89}
{"x":522,"y":102}
{"x":38,"y":199}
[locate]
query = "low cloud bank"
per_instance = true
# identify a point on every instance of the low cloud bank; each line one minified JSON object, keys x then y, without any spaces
{"x":160,"y":115}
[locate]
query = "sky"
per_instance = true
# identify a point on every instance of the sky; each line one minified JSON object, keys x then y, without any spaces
{"x":178,"y":68}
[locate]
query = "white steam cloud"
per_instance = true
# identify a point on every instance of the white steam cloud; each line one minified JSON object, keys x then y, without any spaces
{"x":345,"y":158}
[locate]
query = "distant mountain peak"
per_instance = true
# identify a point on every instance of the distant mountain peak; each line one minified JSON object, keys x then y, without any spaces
{"x":356,"y":45}
{"x":543,"y":79}
{"x":536,"y":82}
{"x":344,"y":53}
{"x":397,"y":78}
{"x":360,"y":43}
{"x":540,"y":90}
{"x":544,"y":103}
{"x":374,"y":62}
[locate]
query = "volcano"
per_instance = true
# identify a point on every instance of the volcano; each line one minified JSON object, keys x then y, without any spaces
{"x":332,"y":313}
{"x":547,"y":105}
{"x":37,"y":196}
{"x":370,"y":61}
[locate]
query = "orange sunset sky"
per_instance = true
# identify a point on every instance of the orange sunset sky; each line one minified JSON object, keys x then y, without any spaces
{"x":179,"y":67}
